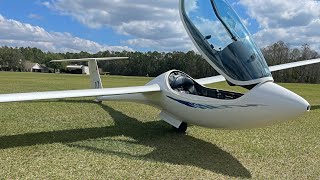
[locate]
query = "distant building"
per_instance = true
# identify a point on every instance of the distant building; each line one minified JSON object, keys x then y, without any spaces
{"x":4,"y":67}
{"x":34,"y":67}
{"x":78,"y":69}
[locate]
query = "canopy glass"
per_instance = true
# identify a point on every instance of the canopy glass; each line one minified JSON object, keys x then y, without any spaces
{"x":224,"y":41}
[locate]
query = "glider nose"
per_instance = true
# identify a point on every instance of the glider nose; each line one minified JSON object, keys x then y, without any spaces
{"x":290,"y":103}
{"x":300,"y":104}
{"x":280,"y":103}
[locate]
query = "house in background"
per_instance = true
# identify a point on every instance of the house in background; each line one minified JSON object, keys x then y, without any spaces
{"x":35,"y":67}
{"x":5,"y":67}
{"x":78,"y":69}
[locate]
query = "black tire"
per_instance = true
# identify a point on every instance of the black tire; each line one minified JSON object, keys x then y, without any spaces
{"x":182,"y":128}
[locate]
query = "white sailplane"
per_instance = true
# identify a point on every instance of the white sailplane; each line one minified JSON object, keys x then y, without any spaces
{"x":226,"y":44}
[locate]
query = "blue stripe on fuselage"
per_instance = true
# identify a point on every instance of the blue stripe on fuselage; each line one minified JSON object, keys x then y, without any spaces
{"x":206,"y":106}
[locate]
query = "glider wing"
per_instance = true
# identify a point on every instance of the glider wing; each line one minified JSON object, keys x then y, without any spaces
{"x":77,"y":93}
{"x":215,"y":79}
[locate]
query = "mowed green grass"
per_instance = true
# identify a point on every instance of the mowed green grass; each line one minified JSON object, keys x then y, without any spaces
{"x":78,"y":139}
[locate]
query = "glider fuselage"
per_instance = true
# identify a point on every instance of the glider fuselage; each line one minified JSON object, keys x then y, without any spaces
{"x":187,"y":101}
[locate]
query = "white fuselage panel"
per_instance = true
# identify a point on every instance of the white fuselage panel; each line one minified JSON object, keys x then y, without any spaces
{"x":265,"y":104}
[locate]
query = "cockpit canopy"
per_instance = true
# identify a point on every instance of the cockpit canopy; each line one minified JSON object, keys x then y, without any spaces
{"x":224,"y":41}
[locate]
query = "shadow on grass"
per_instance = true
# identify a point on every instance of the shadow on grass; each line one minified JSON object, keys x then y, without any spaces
{"x":168,"y":147}
{"x":315,"y":107}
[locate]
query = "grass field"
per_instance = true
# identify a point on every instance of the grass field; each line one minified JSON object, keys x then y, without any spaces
{"x":78,"y":139}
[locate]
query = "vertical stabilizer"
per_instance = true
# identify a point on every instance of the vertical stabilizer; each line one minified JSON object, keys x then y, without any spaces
{"x":95,"y":78}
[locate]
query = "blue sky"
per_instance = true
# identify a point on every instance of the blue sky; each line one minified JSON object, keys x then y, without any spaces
{"x":35,"y":13}
{"x":81,"y":25}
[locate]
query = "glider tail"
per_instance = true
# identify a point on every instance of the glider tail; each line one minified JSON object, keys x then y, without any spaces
{"x":95,"y":79}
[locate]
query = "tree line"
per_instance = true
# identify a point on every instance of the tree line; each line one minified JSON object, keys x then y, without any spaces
{"x":155,"y":63}
{"x":280,"y":53}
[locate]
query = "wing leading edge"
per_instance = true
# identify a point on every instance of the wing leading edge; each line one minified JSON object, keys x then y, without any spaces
{"x":77,"y":93}
{"x":215,"y":79}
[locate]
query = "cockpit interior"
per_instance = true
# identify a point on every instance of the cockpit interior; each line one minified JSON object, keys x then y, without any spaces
{"x":182,"y":83}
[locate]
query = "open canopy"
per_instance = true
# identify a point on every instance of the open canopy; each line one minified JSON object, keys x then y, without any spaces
{"x":221,"y":37}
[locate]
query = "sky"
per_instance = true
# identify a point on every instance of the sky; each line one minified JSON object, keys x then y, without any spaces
{"x":144,"y":25}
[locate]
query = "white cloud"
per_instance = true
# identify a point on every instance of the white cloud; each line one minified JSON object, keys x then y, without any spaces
{"x":191,"y":5}
{"x":155,"y":24}
{"x":35,"y":16}
{"x":16,"y":34}
{"x":101,"y":13}
{"x":282,"y":14}
{"x":152,"y":30}
{"x":149,"y":23}
{"x":171,"y":44}
{"x":295,"y":22}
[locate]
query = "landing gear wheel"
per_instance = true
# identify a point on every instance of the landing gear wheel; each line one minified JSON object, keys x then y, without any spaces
{"x":182,"y":128}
